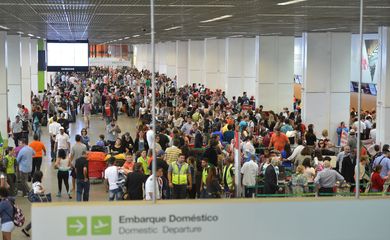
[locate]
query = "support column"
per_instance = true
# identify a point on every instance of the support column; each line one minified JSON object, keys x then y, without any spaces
{"x":26,"y":72}
{"x":276,"y":74}
{"x":34,"y":65}
{"x":42,"y":66}
{"x":3,"y":85}
{"x":214,"y":62}
{"x":182,"y":63}
{"x":241,"y":66}
{"x":14,"y":75}
{"x":383,"y":96}
{"x":326,"y":76}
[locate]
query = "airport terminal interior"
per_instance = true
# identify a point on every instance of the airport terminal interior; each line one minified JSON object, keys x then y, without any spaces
{"x":146,"y":108}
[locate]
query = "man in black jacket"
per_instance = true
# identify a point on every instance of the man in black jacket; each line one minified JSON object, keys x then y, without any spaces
{"x":134,"y":183}
{"x":270,"y":178}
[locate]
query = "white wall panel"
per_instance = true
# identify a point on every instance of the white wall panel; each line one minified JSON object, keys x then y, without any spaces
{"x":3,"y":84}
{"x":26,"y":72}
{"x":34,"y":65}
{"x":182,"y":62}
{"x":14,"y":75}
{"x":196,"y":61}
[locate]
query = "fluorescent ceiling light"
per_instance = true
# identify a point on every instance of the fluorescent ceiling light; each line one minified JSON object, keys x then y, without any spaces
{"x":136,"y":35}
{"x":377,"y":7}
{"x":217,"y":18}
{"x":326,"y":29}
{"x":4,"y":27}
{"x":126,"y":38}
{"x":30,"y":35}
{"x":236,"y":36}
{"x":290,"y":2}
{"x":173,"y":28}
{"x":114,"y":40}
{"x":38,"y":37}
{"x":120,"y":39}
{"x":21,"y":33}
{"x":330,"y":7}
{"x":280,"y":15}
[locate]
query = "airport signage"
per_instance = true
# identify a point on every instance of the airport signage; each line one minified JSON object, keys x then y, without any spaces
{"x":223,"y":219}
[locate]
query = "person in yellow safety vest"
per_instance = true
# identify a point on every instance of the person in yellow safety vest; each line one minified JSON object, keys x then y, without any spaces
{"x":179,"y":177}
{"x":203,"y":183}
{"x":228,"y":176}
{"x":144,"y":162}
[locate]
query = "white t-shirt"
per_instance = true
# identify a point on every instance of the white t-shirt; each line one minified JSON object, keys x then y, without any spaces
{"x":149,"y":188}
{"x":111,"y":174}
{"x":62,"y":141}
{"x":250,"y":171}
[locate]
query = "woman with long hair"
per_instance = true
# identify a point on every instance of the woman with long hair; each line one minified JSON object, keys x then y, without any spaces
{"x":6,"y":214}
{"x":63,"y":164}
{"x":213,"y":187}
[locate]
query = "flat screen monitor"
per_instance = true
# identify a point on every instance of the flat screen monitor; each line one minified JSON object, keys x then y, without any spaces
{"x":67,"y":56}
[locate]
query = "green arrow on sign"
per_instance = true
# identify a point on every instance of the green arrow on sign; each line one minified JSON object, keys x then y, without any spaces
{"x":77,"y":226}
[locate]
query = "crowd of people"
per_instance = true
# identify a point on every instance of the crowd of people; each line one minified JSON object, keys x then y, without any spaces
{"x":198,"y":131}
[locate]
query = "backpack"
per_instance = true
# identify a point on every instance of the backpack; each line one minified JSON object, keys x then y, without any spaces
{"x":18,"y":217}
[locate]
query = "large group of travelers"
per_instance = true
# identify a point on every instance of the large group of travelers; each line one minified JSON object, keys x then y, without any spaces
{"x":199,"y":131}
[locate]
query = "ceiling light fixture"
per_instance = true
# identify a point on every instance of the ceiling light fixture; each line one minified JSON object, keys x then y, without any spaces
{"x":173,"y":28}
{"x":290,"y":2}
{"x":217,"y":18}
{"x":120,"y":39}
{"x":21,"y":33}
{"x":327,"y":29}
{"x":126,"y":38}
{"x":30,"y":35}
{"x":4,"y":27}
{"x":136,"y":35}
{"x":38,"y":37}
{"x":280,"y":15}
{"x":236,"y":36}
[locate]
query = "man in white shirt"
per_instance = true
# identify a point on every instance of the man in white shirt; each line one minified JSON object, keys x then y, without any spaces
{"x":111,"y":176}
{"x":249,"y":170}
{"x":296,"y":151}
{"x":248,"y":149}
{"x":150,"y":137}
{"x":149,"y":185}
{"x":62,"y":141}
{"x":54,"y":130}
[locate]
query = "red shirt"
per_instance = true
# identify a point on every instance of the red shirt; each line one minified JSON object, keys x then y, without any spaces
{"x":377,"y":181}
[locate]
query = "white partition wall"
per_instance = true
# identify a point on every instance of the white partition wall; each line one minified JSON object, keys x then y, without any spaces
{"x":171,"y":59}
{"x":14,"y":77}
{"x":3,"y":85}
{"x":182,"y":62}
{"x":241,"y":66}
{"x":215,"y":63}
{"x":26,"y":71}
{"x":196,"y":62}
{"x":276,"y":72}
{"x":383,"y":97}
{"x":326,"y":76}
{"x":34,"y":65}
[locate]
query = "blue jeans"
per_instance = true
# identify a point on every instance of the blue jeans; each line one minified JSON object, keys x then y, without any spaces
{"x":82,"y":189}
{"x":115,"y":194}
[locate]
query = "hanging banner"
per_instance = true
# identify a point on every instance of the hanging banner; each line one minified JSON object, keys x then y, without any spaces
{"x":219,"y":219}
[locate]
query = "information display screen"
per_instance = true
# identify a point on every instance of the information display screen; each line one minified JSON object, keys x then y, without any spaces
{"x":67,"y":56}
{"x":373,"y":90}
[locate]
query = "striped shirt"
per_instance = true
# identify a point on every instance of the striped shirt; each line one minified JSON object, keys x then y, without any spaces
{"x":172,"y":154}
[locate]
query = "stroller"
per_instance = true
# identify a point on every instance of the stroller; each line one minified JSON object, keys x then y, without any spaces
{"x":122,"y":183}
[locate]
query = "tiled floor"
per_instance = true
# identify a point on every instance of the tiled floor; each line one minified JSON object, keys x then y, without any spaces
{"x":97,"y":191}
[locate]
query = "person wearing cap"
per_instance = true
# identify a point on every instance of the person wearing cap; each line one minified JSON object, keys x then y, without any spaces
{"x":62,"y":141}
{"x":384,"y":160}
